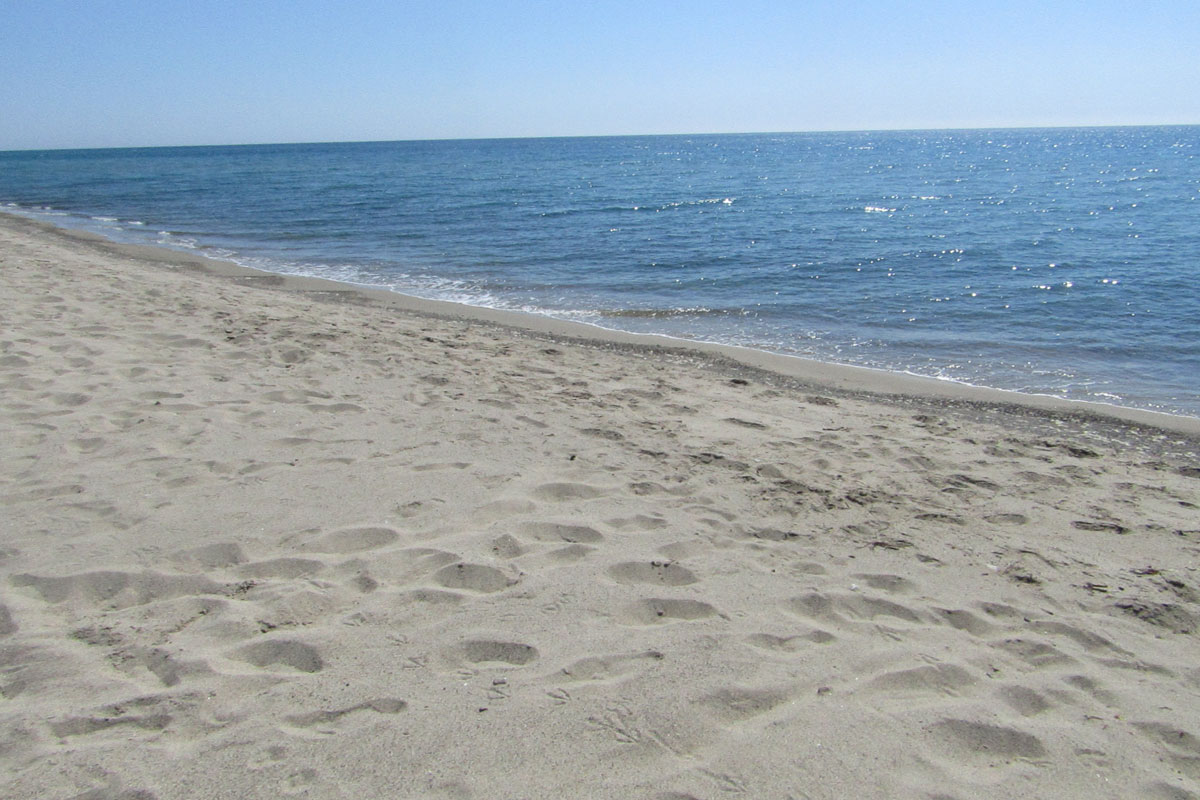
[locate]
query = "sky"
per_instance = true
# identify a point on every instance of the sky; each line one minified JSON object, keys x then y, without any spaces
{"x":94,"y":73}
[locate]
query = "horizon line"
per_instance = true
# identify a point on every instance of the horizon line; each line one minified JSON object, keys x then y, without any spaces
{"x":603,"y":136}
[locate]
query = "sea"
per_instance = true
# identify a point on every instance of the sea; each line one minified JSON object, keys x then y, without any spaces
{"x":1060,"y":262}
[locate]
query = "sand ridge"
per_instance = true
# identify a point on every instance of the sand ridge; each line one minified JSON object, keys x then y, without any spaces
{"x":261,"y":541}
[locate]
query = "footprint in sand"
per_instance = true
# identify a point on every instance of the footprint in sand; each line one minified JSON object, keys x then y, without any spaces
{"x":1099,"y":527}
{"x":837,"y":608}
{"x":602,"y":668}
{"x":353,"y":540}
{"x":563,"y":491}
{"x":561,"y":532}
{"x":380,"y":705}
{"x":169,"y":670}
{"x":1023,"y":700}
{"x":662,"y":573}
{"x":1089,"y":641}
{"x":83,"y":726}
{"x":639,"y":522}
{"x":983,"y":743}
{"x":159,"y":395}
{"x":300,"y":782}
{"x":1162,"y":790}
{"x":507,"y":547}
{"x":116,"y":590}
{"x":1093,"y":689}
{"x":114,"y":789}
{"x":434,"y":597}
{"x":293,"y":396}
{"x":737,"y":704}
{"x":282,"y":652}
{"x":485,"y":651}
{"x":790,"y":644}
{"x":892,"y":584}
{"x":946,"y":679}
{"x":211,"y":556}
{"x":473,"y":577}
{"x":286,"y":568}
{"x":775,"y":535}
{"x":1006,"y":519}
{"x":333,"y":408}
{"x":71,"y":399}
{"x":570,"y":553}
{"x":1036,"y":654}
{"x":964,"y":620}
{"x":943,"y":519}
{"x":89,"y":445}
{"x":1038,"y":480}
{"x":411,"y":565}
{"x":1182,"y":747}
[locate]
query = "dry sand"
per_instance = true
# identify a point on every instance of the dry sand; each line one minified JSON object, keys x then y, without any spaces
{"x":269,"y":537}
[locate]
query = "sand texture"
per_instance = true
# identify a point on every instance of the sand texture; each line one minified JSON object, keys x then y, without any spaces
{"x":262,"y":537}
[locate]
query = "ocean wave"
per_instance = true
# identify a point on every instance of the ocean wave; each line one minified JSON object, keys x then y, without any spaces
{"x":707,"y":201}
{"x":663,"y":313}
{"x":572,"y":212}
{"x":169,"y":239}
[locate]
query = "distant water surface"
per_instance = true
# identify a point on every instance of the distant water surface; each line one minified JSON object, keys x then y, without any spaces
{"x":1056,"y":261}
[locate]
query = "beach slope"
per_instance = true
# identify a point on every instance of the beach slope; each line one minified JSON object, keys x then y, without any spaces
{"x":264,"y":537}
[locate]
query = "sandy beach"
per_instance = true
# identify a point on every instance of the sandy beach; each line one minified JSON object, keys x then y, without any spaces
{"x":264,"y":536}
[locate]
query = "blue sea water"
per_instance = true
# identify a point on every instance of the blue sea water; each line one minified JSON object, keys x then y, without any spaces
{"x":1052,"y":261}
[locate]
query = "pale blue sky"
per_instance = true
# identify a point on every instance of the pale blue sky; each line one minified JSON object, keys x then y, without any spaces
{"x":92,"y":73}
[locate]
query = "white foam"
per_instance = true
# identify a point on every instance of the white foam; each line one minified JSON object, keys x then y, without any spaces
{"x":169,"y":239}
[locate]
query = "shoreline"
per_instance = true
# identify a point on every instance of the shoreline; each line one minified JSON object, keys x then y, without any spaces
{"x":266,"y":536}
{"x":868,"y":382}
